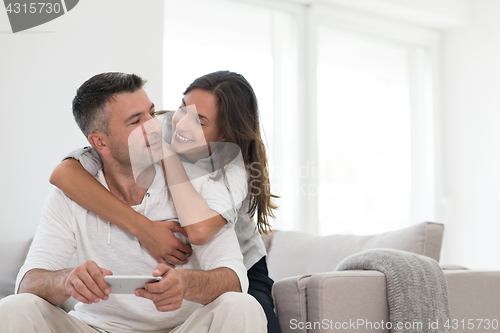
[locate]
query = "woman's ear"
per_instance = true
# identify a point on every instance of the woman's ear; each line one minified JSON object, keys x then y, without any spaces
{"x":98,"y":140}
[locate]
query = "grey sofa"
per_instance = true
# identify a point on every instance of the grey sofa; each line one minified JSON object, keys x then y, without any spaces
{"x":307,"y":290}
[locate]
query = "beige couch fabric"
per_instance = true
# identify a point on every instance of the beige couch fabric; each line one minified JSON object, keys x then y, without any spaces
{"x":12,"y":258}
{"x":293,"y":253}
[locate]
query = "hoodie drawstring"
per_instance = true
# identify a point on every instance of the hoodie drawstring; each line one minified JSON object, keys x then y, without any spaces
{"x":109,"y":223}
{"x":109,"y":233}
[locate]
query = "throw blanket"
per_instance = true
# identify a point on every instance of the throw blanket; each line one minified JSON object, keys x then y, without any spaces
{"x":416,"y":288}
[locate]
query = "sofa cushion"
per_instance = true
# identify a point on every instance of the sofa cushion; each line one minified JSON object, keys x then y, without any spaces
{"x":291,"y":253}
{"x":11,"y":260}
{"x":6,"y":287}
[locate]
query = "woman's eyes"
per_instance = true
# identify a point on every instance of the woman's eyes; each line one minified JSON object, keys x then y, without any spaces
{"x":183,"y":110}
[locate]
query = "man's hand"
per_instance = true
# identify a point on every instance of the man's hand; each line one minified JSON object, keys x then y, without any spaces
{"x":196,"y":286}
{"x":86,"y":283}
{"x":159,"y":239}
{"x":167,"y":295}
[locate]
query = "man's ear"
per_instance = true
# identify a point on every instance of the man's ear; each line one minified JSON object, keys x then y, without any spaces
{"x":99,"y":141}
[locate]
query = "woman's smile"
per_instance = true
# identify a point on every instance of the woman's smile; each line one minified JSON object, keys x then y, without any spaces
{"x":180,"y":138}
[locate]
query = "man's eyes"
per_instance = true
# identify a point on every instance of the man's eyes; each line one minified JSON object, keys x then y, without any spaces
{"x":153,"y":114}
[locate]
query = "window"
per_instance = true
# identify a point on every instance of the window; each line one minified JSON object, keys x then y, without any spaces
{"x":364,"y":133}
{"x":347,"y":105}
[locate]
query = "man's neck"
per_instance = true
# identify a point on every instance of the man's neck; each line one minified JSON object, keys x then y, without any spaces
{"x":122,"y":184}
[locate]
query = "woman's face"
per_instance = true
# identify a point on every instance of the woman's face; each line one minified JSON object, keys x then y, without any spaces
{"x":195,"y":124}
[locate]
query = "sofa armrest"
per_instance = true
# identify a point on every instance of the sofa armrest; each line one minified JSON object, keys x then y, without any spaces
{"x":290,"y":300}
{"x":347,"y":298}
{"x":358,"y":297}
{"x":474,"y":295}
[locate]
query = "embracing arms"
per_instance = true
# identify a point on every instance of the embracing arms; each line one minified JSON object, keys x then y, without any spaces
{"x":156,"y":237}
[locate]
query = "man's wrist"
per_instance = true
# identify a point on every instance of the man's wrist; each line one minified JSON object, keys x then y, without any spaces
{"x":63,"y":278}
{"x":184,"y":280}
{"x":205,"y":286}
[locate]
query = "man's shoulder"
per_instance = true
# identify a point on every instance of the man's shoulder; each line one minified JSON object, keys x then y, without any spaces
{"x":58,"y":207}
{"x":58,"y":200}
{"x":57,"y":195}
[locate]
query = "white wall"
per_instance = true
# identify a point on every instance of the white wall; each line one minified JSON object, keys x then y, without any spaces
{"x":40,"y":70}
{"x":471,"y":139}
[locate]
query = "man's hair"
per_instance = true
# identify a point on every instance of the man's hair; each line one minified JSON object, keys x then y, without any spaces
{"x":89,"y":104}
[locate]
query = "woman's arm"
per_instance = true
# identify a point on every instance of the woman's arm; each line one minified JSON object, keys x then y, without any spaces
{"x":156,"y":237}
{"x":200,"y":222}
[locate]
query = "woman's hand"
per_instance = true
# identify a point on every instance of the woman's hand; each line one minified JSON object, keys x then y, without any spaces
{"x":158,"y":238}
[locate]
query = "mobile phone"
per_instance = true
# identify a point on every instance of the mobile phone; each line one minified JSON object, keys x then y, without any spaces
{"x":127,"y":284}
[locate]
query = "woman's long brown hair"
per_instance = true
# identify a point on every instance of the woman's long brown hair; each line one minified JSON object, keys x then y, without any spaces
{"x":238,"y":117}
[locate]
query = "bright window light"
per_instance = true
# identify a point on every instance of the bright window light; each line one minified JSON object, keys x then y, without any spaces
{"x":364,"y":134}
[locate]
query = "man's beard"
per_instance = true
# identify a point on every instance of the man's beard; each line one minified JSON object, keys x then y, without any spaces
{"x":121,"y":154}
{"x":134,"y":158}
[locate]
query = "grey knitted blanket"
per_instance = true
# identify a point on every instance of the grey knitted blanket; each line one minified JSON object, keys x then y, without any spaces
{"x":417,"y":292}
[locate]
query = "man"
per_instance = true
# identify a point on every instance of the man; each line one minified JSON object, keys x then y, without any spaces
{"x":108,"y":107}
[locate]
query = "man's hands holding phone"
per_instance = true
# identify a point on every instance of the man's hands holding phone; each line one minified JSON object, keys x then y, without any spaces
{"x":167,"y":294}
{"x":86,"y":283}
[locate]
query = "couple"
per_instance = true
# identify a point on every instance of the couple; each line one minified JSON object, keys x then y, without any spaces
{"x":206,"y":291}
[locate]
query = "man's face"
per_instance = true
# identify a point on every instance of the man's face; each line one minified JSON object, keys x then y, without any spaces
{"x":133,"y":130}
